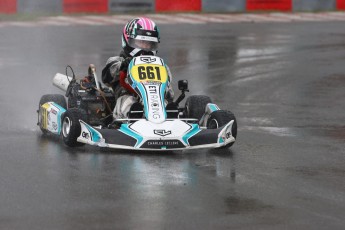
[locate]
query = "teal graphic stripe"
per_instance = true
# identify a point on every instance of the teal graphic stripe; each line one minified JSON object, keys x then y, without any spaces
{"x":162,"y":92}
{"x":61,"y":111}
{"x":126,"y":130}
{"x":213,"y":107}
{"x":94,"y":134}
{"x":195,"y":129}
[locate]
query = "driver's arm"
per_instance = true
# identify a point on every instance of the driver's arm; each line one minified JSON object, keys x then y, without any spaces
{"x":111,"y":72}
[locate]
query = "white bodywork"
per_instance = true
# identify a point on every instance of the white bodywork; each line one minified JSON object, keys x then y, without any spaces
{"x":61,"y":81}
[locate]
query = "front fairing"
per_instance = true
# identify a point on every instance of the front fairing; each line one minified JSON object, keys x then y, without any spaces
{"x":148,"y":76}
{"x":173,"y":134}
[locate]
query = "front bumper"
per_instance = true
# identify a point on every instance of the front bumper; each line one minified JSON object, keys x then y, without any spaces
{"x":130,"y":137}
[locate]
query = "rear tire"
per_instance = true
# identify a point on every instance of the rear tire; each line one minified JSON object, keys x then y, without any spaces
{"x":56,"y":98}
{"x":71,"y":127}
{"x":195,"y":106}
{"x":220,"y":118}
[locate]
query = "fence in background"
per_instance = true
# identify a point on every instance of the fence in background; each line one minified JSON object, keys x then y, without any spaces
{"x":112,"y":6}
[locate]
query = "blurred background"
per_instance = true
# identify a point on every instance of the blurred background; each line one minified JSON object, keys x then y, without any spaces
{"x":116,"y":6}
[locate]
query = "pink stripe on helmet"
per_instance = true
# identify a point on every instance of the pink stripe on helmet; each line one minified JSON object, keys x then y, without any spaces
{"x":149,"y":24}
{"x":146,"y":23}
{"x":142,"y":23}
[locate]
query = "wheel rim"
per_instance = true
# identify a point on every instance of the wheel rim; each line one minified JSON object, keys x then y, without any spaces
{"x":40,"y":115}
{"x":66,"y":126}
{"x":213,"y":124}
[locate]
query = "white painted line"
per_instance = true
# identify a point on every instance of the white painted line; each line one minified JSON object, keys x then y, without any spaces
{"x":77,"y":20}
{"x":175,"y":18}
{"x":219,"y":18}
{"x":51,"y":22}
{"x":288,"y":17}
{"x":292,"y":17}
{"x":21,"y":24}
{"x":257,"y":18}
{"x":340,"y":14}
{"x":126,"y":17}
{"x":159,"y":19}
{"x":280,"y":17}
{"x":202,"y":18}
{"x":264,"y":18}
{"x":121,"y":19}
{"x":308,"y":17}
{"x":335,"y":17}
{"x":212,"y":18}
{"x":230,"y":18}
{"x":104,"y":20}
{"x":325,"y":17}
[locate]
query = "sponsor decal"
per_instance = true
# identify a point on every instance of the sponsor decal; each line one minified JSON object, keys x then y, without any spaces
{"x":148,"y":59}
{"x":148,"y":33}
{"x":154,"y":101}
{"x":228,"y":135}
{"x":162,"y":144}
{"x":53,"y":111}
{"x":55,"y":126}
{"x":85,"y":135}
{"x":162,"y":132}
{"x":146,"y":38}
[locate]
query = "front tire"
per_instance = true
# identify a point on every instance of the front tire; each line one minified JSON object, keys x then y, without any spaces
{"x":195,"y":106}
{"x":220,"y":118}
{"x":71,"y":128}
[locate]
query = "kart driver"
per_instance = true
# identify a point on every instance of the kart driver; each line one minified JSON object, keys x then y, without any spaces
{"x":140,"y":36}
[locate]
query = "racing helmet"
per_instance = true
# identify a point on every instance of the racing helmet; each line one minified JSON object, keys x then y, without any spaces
{"x":140,"y":36}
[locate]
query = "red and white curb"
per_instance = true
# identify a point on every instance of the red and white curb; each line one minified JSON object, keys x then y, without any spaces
{"x":104,"y":20}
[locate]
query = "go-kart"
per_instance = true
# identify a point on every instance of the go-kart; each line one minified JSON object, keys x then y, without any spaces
{"x":152,"y":123}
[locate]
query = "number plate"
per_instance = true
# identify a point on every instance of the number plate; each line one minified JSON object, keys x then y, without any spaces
{"x":149,"y":72}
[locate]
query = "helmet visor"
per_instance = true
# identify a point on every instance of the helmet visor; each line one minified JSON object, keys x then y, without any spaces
{"x":144,"y":43}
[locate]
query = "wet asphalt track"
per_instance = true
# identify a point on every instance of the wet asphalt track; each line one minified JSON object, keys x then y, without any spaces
{"x":284,"y":82}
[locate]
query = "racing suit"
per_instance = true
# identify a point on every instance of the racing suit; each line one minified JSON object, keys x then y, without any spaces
{"x":114,"y":75}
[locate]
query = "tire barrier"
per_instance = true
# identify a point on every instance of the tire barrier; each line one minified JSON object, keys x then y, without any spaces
{"x":8,"y":6}
{"x":82,"y":6}
{"x":312,"y":5}
{"x":38,"y":6}
{"x":178,"y":5}
{"x":280,"y":5}
{"x":223,"y":6}
{"x":340,"y":5}
{"x":121,"y":6}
